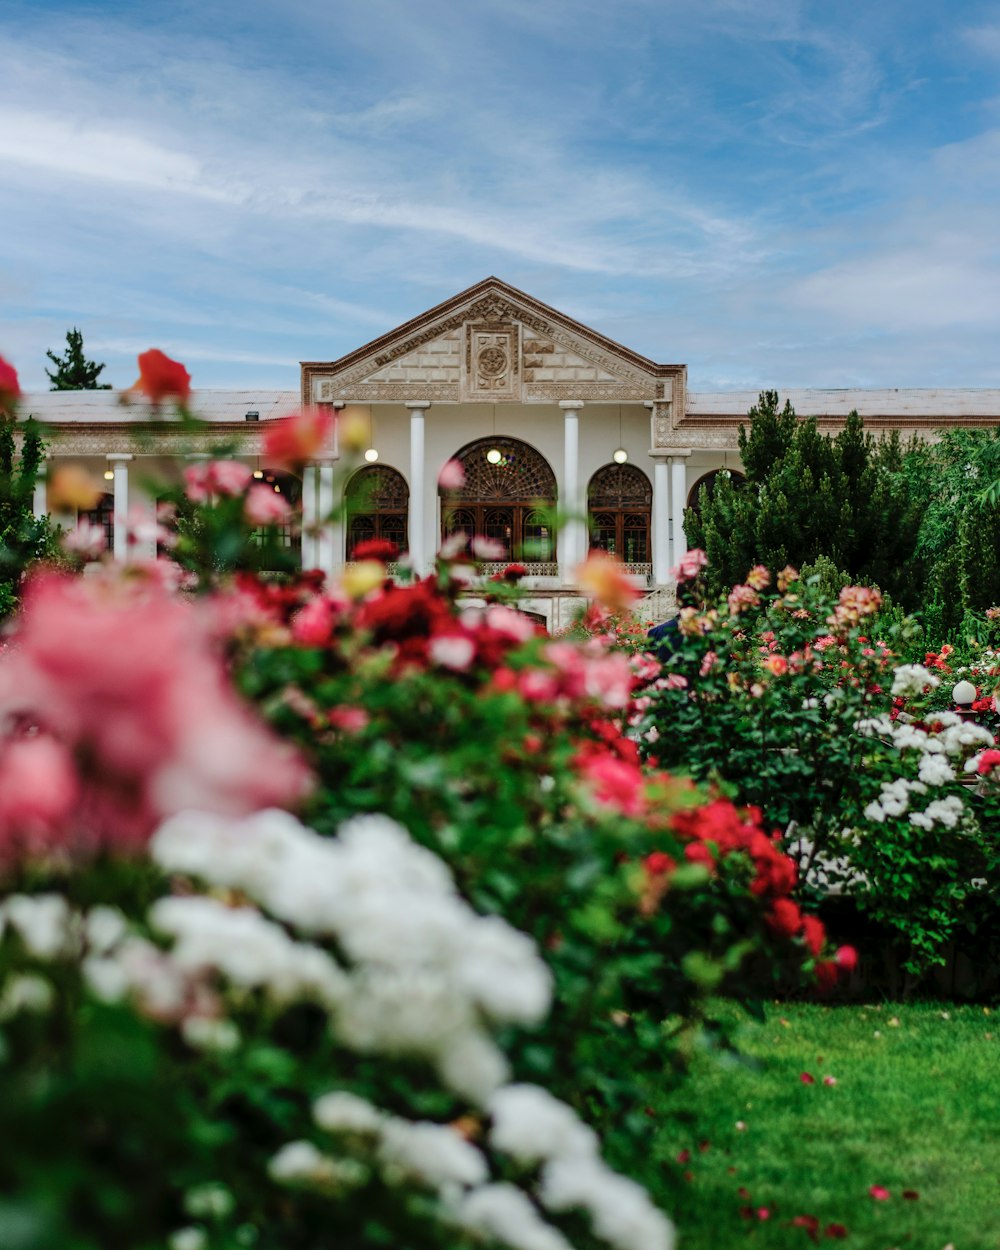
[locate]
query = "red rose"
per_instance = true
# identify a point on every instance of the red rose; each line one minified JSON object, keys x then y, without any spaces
{"x":988,"y":761}
{"x":846,"y":958}
{"x":814,"y":934}
{"x":785,"y":917}
{"x":826,"y":974}
{"x":376,"y":549}
{"x":659,"y":863}
{"x":698,"y":853}
{"x":293,"y":441}
{"x":161,"y":378}
{"x":10,"y":389}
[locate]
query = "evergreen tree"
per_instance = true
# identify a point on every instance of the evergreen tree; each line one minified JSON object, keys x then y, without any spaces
{"x":74,"y":372}
{"x":809,"y":496}
{"x":24,"y":537}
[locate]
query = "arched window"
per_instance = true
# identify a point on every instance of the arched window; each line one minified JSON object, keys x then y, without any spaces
{"x":378,"y":500}
{"x":504,"y":498}
{"x":708,"y":480}
{"x":103,"y":517}
{"x":289,"y":488}
{"x":619,"y":502}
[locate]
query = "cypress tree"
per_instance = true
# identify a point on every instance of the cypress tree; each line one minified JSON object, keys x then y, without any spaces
{"x":74,"y":372}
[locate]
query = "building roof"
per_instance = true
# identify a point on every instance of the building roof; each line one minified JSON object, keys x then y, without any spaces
{"x":106,"y":407}
{"x":903,"y":405}
{"x":900,"y":403}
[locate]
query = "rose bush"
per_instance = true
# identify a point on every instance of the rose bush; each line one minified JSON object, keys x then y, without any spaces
{"x":222,"y":1027}
{"x":793,"y":699}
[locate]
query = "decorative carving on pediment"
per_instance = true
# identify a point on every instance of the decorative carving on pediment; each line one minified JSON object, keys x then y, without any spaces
{"x":615,"y":392}
{"x":159,"y":440}
{"x":400,"y":392}
{"x":492,"y":361}
{"x":493,"y":314}
{"x":660,"y":424}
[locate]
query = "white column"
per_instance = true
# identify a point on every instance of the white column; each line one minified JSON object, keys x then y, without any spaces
{"x":119,"y":465}
{"x":661,"y":521}
{"x":417,"y":519}
{"x":309,"y":517}
{"x":573,"y":538}
{"x":39,"y":500}
{"x":678,"y":501}
{"x":324,"y":549}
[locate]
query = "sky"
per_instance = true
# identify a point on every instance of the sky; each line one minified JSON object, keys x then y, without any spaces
{"x":774,"y":192}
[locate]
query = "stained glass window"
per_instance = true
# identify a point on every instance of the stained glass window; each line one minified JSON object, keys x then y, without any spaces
{"x":619,"y":502}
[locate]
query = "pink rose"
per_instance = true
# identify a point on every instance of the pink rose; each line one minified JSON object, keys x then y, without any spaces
{"x":38,"y":791}
{"x":125,"y":677}
{"x":452,"y":476}
{"x":229,"y":477}
{"x":265,"y":506}
{"x":454,"y":650}
{"x":691,"y":564}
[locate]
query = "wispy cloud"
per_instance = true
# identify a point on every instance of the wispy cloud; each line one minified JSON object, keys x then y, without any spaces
{"x":262,"y":184}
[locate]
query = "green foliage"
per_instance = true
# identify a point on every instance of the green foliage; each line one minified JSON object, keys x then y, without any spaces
{"x":24,"y":538}
{"x":74,"y":372}
{"x":808,"y":495}
{"x":772,"y":700}
{"x":960,"y":531}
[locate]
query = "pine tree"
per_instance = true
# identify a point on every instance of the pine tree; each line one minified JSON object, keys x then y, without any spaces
{"x":74,"y":372}
{"x":24,"y":537}
{"x":809,"y":496}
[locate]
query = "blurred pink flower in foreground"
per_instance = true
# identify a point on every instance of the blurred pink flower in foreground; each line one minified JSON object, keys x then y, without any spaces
{"x":124,"y":680}
{"x":264,"y":506}
{"x":452,"y":476}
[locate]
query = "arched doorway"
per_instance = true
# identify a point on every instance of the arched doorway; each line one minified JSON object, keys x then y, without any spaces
{"x":619,"y":505}
{"x":708,"y":480}
{"x":378,"y":501}
{"x":102,"y":517}
{"x":508,"y":496}
{"x":289,"y":487}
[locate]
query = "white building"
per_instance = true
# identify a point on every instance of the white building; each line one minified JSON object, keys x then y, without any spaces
{"x":544,"y":413}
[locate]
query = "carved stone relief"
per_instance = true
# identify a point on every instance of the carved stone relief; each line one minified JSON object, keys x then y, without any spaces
{"x":558,"y":356}
{"x":492,"y":361}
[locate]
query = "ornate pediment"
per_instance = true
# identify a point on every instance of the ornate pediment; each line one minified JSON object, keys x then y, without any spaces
{"x":488,"y":344}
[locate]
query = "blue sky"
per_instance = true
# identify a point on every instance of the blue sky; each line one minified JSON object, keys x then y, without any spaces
{"x":776,"y":193}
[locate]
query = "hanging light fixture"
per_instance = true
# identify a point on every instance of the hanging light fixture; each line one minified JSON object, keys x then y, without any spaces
{"x":109,"y":475}
{"x":371,"y":455}
{"x":494,"y":455}
{"x":620,"y":455}
{"x":258,"y":472}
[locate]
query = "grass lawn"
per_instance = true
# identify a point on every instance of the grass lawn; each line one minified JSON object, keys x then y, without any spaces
{"x":915,"y":1110}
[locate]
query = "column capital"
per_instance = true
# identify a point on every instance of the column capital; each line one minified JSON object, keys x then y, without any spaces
{"x":418,"y":405}
{"x":571,"y":405}
{"x":119,"y":455}
{"x":670,"y":453}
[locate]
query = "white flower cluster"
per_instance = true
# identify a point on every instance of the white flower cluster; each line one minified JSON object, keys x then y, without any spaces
{"x":529,"y":1124}
{"x":911,"y":680}
{"x":44,"y":923}
{"x":832,"y":874}
{"x":421,"y":974}
{"x":939,"y":752}
{"x":425,"y":970}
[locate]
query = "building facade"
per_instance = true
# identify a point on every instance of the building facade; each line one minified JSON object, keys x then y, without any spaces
{"x":568,"y":440}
